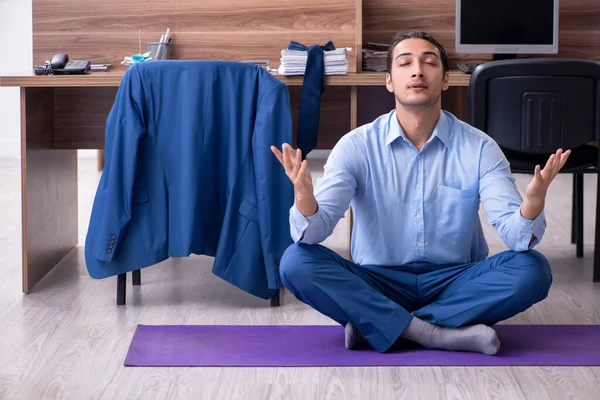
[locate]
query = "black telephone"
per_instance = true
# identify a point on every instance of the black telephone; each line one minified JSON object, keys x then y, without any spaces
{"x":59,"y":60}
{"x":60,"y":64}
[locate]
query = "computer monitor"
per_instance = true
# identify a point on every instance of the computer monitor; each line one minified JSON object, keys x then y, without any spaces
{"x":507,"y":27}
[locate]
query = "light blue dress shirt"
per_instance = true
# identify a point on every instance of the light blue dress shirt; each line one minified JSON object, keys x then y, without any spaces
{"x":418,"y":206}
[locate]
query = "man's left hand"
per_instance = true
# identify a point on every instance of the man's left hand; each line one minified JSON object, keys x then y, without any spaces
{"x":537,"y":188}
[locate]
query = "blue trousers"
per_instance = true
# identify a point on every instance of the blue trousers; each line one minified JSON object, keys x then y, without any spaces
{"x":382,"y":300}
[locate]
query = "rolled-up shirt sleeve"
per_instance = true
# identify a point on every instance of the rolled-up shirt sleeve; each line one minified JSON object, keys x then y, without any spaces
{"x":333,"y":192}
{"x":502,"y":202}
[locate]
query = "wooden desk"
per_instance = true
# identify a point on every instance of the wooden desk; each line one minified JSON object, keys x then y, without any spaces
{"x":113,"y":79}
{"x":60,"y":114}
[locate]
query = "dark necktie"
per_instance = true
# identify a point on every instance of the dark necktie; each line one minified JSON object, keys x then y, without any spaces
{"x":310,"y":101}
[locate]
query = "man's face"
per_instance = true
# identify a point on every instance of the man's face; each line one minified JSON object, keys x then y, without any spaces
{"x":416,"y":77}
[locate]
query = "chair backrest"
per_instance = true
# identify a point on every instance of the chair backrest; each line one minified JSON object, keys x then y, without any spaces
{"x":536,"y":105}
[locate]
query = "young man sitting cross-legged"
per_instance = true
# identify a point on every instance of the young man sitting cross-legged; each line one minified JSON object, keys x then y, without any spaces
{"x":415,"y":178}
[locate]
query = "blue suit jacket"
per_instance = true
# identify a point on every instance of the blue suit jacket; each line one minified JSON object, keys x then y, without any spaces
{"x":188,"y":169}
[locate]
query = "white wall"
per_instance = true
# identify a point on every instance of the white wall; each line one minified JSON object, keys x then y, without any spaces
{"x":15,"y":57}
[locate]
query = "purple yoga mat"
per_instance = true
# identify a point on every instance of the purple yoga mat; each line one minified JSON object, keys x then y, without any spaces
{"x":323,"y":346}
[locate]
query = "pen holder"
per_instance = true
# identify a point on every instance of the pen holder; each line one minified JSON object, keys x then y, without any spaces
{"x":159,"y":50}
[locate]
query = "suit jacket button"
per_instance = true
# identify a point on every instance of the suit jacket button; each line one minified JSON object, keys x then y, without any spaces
{"x":112,"y":236}
{"x":109,"y":251}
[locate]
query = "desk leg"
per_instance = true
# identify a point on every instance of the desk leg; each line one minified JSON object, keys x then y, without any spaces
{"x":48,"y":189}
{"x":100,"y":160}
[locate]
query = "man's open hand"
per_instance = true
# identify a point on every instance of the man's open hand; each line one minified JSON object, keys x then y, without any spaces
{"x":296,"y":169}
{"x":538,"y":187}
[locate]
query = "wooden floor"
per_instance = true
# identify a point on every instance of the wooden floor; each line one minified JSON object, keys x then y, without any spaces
{"x":67,"y":339}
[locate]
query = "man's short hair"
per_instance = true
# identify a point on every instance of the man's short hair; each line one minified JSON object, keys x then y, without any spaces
{"x":400,"y":36}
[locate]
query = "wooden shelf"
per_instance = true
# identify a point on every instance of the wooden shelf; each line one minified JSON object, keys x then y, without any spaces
{"x":113,"y":78}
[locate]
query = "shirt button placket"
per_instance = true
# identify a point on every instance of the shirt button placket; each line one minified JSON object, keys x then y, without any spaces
{"x":419,"y":211}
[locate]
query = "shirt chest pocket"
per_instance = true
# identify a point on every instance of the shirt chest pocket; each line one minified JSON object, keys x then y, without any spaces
{"x":457,"y":210}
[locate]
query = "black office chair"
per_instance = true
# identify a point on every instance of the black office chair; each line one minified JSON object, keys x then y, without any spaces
{"x":136,"y":280}
{"x":532,"y":107}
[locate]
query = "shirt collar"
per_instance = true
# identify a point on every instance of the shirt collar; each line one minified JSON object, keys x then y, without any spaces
{"x":441,"y":129}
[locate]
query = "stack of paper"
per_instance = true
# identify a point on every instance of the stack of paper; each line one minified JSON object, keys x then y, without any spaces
{"x":293,"y":62}
{"x":374,"y":57}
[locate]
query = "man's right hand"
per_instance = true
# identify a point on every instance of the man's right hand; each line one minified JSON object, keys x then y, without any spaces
{"x":297,"y":171}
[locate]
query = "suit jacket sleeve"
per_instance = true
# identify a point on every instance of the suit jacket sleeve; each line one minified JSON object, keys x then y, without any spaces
{"x":275,"y":193}
{"x":125,"y":127}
